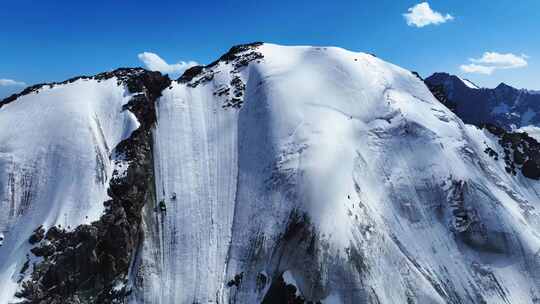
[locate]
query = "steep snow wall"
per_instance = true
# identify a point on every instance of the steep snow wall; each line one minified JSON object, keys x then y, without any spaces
{"x":337,"y":173}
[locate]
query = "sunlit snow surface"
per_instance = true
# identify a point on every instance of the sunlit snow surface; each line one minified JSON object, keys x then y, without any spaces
{"x":54,"y":162}
{"x":366,"y":152}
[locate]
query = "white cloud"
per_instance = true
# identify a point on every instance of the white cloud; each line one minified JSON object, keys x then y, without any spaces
{"x":492,"y":61}
{"x":505,"y":61}
{"x":155,"y":63}
{"x":475,"y":68}
{"x":10,"y":82}
{"x":421,"y":15}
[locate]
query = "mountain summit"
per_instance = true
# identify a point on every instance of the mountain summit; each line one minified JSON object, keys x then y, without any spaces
{"x":273,"y":175}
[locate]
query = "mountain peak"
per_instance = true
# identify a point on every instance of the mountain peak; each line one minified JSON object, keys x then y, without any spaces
{"x":504,"y":86}
{"x":440,"y":78}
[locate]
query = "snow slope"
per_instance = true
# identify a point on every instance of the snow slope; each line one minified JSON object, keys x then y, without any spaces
{"x":341,"y":171}
{"x":55,"y":148}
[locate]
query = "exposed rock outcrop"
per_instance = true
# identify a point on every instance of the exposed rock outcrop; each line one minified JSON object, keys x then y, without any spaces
{"x":239,"y":57}
{"x":521,"y":152}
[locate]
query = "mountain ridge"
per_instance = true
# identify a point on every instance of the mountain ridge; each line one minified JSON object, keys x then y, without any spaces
{"x":504,"y":105}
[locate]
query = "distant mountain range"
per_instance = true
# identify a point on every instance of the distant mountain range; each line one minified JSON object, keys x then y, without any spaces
{"x":504,"y":105}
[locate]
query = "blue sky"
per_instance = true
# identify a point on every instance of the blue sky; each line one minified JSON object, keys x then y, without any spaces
{"x":44,"y":41}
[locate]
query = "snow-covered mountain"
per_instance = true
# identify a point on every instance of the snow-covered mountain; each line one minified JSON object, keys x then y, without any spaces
{"x":273,"y":175}
{"x":504,"y":105}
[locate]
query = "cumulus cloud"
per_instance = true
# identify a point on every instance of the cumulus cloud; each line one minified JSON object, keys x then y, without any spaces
{"x":153,"y":62}
{"x":509,"y":61}
{"x":10,"y":82}
{"x":492,"y":61}
{"x":421,"y":15}
{"x":476,"y":68}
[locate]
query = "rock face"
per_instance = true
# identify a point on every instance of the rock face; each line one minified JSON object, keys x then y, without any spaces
{"x":272,"y":175}
{"x":521,"y":152}
{"x":504,"y":105}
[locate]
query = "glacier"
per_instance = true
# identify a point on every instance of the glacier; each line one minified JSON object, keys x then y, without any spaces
{"x":281,"y":174}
